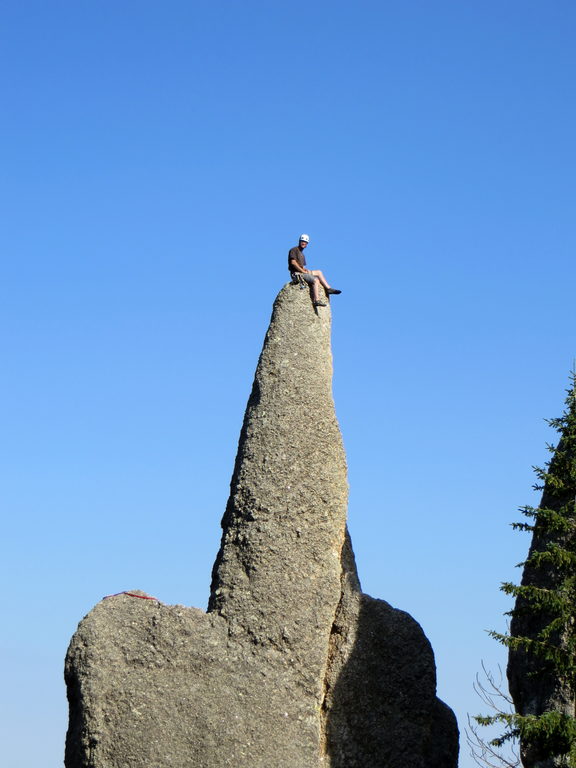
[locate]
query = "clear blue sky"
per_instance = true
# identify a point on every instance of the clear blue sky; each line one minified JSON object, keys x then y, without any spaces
{"x":157,"y":160}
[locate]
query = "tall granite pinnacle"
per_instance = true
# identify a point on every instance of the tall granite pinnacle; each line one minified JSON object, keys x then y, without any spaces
{"x":287,"y":507}
{"x":292,"y":666}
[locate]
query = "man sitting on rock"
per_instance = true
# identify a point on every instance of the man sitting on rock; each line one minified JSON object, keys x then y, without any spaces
{"x":314,"y":277}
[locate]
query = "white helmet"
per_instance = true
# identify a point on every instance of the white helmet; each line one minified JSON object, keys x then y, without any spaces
{"x":304,"y":239}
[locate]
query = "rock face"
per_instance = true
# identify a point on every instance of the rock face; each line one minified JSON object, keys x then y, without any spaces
{"x":292,"y":666}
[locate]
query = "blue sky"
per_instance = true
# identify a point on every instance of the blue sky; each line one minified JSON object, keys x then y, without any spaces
{"x":157,"y":161}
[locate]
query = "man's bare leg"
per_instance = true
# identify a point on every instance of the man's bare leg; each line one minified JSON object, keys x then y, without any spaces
{"x":325,"y":284}
{"x":318,"y":273}
{"x":315,"y":292}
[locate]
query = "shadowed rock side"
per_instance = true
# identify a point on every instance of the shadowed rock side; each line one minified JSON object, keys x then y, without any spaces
{"x":381,"y":709}
{"x":292,"y":667}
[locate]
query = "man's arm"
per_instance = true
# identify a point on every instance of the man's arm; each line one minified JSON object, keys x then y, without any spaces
{"x":297,"y":267}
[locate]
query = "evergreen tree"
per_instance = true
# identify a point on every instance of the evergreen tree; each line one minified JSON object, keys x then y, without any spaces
{"x":542,"y":639}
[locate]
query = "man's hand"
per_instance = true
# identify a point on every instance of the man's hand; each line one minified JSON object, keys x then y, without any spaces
{"x":297,"y":266}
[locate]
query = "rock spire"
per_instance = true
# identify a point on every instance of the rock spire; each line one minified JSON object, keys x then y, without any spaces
{"x":292,"y":666}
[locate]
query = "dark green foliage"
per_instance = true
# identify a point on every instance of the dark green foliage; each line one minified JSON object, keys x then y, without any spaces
{"x":554,"y":730}
{"x":542,"y":639}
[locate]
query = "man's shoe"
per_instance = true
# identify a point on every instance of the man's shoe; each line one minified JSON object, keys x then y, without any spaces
{"x":320,"y":304}
{"x":332,"y":290}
